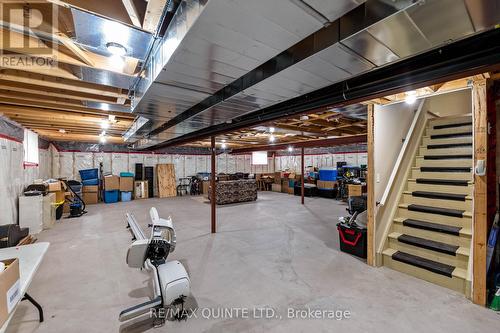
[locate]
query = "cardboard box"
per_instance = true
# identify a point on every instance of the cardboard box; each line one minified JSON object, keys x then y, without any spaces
{"x":290,"y":190}
{"x":66,"y":208}
{"x":141,"y":189}
{"x":90,"y":198}
{"x":277,"y":178}
{"x":126,"y":184}
{"x":205,"y":185}
{"x":276,"y":187}
{"x":354,"y":190}
{"x":90,"y":189}
{"x":55,"y":187}
{"x":60,"y":196}
{"x":10,"y":288}
{"x":111,"y":183}
{"x":284,"y":185}
{"x":324,"y":184}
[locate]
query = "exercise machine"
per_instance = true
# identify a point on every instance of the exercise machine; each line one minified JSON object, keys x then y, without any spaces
{"x":171,"y":282}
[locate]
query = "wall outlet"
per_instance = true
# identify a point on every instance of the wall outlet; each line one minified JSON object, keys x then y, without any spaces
{"x":377,"y":178}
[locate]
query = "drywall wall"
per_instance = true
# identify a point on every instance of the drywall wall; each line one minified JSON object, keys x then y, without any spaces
{"x":449,"y":104}
{"x":391,"y":124}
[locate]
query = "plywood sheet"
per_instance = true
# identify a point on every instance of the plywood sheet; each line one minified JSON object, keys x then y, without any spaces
{"x":165,"y":174}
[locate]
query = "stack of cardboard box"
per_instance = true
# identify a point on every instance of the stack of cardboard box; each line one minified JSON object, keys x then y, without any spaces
{"x":126,"y":187}
{"x":90,"y":194}
{"x":111,"y":188}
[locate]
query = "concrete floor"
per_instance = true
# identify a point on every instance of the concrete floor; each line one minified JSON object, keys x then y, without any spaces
{"x":273,"y":253}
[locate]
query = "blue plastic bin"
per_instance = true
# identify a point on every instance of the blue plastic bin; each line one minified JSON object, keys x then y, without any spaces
{"x":89,"y":174}
{"x":126,"y":196}
{"x":328,"y":174}
{"x":89,"y":182}
{"x":111,"y":196}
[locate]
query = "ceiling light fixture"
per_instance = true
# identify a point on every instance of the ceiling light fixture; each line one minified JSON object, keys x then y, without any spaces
{"x":62,"y":130}
{"x":111,"y":118}
{"x":223,"y":145}
{"x":103,"y":133}
{"x":116,"y":49}
{"x":272,"y":138}
{"x":290,"y":149}
{"x":304,"y":118}
{"x":102,"y":139}
{"x":271,"y":129}
{"x":105,"y":124}
{"x":411,"y":97}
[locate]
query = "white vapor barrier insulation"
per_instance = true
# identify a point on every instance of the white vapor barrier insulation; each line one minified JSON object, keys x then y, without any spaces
{"x":190,"y":165}
{"x":231,"y":164}
{"x":178,"y":161}
{"x":66,"y":162}
{"x":165,"y":159}
{"x":248,"y":164}
{"x":221,"y":166}
{"x":105,"y":159}
{"x":202,"y":163}
{"x":119,"y":163}
{"x":45,"y":166}
{"x":83,"y":161}
{"x":351,"y":159}
{"x":14,"y":177}
{"x":363,"y":159}
{"x":133,"y":159}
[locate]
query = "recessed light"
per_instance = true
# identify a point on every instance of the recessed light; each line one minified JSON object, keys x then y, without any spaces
{"x":411,"y":97}
{"x":116,"y":49}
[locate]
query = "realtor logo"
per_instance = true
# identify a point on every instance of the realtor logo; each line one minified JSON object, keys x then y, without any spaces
{"x":29,"y":31}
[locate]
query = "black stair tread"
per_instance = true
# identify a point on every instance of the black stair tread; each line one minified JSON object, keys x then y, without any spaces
{"x":439,"y":195}
{"x":450,"y":145}
{"x":429,"y":244}
{"x":450,"y":182}
{"x":445,"y":169}
{"x":430,"y":265}
{"x":436,"y":210}
{"x":447,"y":157}
{"x":451,"y":135}
{"x":469,"y":123}
{"x":424,"y":225}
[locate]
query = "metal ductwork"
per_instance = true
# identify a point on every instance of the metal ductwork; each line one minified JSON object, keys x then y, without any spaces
{"x":224,"y":59}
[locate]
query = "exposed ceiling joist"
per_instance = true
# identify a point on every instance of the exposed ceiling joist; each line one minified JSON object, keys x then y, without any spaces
{"x":154,"y":11}
{"x":132,"y":12}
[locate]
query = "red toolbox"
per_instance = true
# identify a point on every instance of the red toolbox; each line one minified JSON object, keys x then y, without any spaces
{"x":352,"y":239}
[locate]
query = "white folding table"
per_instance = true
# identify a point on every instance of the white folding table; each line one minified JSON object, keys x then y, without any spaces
{"x":30,"y":258}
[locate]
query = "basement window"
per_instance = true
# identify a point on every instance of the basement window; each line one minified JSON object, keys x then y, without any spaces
{"x":30,"y":145}
{"x":259,"y":158}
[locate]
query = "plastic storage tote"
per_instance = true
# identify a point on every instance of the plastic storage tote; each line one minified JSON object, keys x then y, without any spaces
{"x":352,"y":240}
{"x":89,"y":174}
{"x":328,"y":174}
{"x":111,"y":196}
{"x":126,"y":196}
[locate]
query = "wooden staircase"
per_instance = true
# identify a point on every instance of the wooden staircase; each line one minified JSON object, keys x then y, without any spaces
{"x":430,"y":236}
